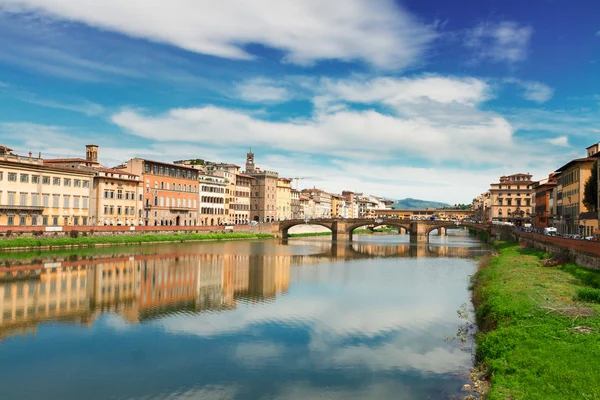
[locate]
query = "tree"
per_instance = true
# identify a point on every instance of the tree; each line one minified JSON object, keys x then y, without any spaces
{"x":590,"y":191}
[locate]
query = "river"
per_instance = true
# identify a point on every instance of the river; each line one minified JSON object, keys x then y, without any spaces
{"x":303,"y":319}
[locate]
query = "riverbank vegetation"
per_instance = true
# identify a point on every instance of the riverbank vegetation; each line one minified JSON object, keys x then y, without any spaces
{"x":539,"y":326}
{"x":90,"y":241}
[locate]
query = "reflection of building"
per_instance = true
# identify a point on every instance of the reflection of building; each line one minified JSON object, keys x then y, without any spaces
{"x":268,"y":275}
{"x":115,"y":286}
{"x":60,"y":293}
{"x":167,"y":283}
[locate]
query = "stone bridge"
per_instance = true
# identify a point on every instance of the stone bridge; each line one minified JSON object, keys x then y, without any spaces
{"x":342,"y":229}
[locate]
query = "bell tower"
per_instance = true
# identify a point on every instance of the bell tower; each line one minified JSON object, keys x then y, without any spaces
{"x":250,"y":161}
{"x":91,"y":153}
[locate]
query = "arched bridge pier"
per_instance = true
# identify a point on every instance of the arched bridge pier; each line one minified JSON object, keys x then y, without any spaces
{"x":341,"y":229}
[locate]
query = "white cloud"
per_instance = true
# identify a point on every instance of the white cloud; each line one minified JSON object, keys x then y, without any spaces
{"x":400,"y":91}
{"x":534,"y":91}
{"x":598,"y":34}
{"x":262,"y":90}
{"x":84,"y":106}
{"x":378,"y":32}
{"x":504,"y":41}
{"x":561,"y":141}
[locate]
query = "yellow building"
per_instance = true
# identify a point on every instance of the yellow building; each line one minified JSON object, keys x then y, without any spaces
{"x":33,"y":193}
{"x":284,"y":199}
{"x":337,"y":205}
{"x":511,"y":199}
{"x":117,"y":198}
{"x":570,"y":192}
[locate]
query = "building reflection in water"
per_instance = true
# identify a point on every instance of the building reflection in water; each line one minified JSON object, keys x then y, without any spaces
{"x":148,"y":286}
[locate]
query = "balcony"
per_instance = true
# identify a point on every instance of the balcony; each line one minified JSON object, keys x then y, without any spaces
{"x":6,"y":207}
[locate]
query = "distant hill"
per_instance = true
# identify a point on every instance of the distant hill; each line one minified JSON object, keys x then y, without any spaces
{"x":416,"y":204}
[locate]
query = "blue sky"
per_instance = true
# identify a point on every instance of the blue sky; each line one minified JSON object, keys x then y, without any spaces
{"x":430,"y":99}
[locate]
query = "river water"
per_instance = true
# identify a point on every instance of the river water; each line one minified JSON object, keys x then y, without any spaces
{"x":303,"y":319}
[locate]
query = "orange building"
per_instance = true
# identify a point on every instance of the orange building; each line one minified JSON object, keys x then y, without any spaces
{"x":543,"y":201}
{"x":170,"y":192}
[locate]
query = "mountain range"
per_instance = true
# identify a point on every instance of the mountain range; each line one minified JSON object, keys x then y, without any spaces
{"x":416,"y":204}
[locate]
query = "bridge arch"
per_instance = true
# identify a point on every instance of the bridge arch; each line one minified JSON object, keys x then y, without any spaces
{"x":405,"y":226}
{"x":285,"y":226}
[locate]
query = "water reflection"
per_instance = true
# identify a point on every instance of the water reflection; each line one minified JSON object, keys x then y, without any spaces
{"x":146,"y":286}
{"x":238,"y":320}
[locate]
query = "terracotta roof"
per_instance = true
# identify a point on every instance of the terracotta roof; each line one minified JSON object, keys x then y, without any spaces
{"x":5,"y":148}
{"x":246,"y":176}
{"x":114,"y":171}
{"x":63,"y":160}
{"x":576,"y":161}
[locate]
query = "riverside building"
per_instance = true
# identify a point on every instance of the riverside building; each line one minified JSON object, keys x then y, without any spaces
{"x":33,"y":193}
{"x":510,"y":199}
{"x":263,"y":195}
{"x":170,"y":192}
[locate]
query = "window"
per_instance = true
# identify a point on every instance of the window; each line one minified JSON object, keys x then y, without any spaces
{"x":24,"y":178}
{"x":34,"y":220}
{"x":86,"y":184}
{"x":11,"y":220}
{"x":66,"y":201}
{"x":1,"y":175}
{"x":12,"y":177}
{"x":85,"y":202}
{"x":147,"y":168}
{"x":11,"y":199}
{"x":120,"y":194}
{"x":35,"y":179}
{"x":67,"y":182}
{"x":35,"y":199}
{"x":77,"y":183}
{"x":56,"y":181}
{"x":84,"y":221}
{"x":76,"y":202}
{"x":75,"y":221}
{"x":22,"y":220}
{"x":45,"y":220}
{"x":66,"y":221}
{"x":55,"y":221}
{"x":119,"y":211}
{"x":45,"y":180}
{"x":55,"y":200}
{"x":46,"y":200}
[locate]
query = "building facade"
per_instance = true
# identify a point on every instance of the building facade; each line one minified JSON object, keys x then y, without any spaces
{"x":511,"y":200}
{"x":263,"y":195}
{"x":241,"y":205}
{"x":570,"y":189}
{"x":543,"y":202}
{"x":284,"y":199}
{"x":171,"y":192}
{"x":117,"y":198}
{"x":33,"y":193}
{"x":212,"y":200}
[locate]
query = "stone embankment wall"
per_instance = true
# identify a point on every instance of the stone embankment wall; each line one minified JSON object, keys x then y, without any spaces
{"x":11,"y":232}
{"x":583,"y":252}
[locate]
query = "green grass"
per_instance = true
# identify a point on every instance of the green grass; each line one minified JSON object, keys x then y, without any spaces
{"x":589,"y":294}
{"x":309,"y":234}
{"x":117,"y":240}
{"x":526,"y":313}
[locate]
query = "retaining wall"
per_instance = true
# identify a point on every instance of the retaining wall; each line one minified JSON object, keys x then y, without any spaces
{"x":583,"y":252}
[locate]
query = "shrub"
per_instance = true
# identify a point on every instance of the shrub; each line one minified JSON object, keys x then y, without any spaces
{"x":589,"y":294}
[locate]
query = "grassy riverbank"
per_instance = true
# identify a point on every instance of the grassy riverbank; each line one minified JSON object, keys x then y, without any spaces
{"x":87,"y":241}
{"x":540,"y":330}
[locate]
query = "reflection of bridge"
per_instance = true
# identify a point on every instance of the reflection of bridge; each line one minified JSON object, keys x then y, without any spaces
{"x":342,"y":228}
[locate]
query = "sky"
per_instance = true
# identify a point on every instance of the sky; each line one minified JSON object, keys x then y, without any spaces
{"x":424,"y":99}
